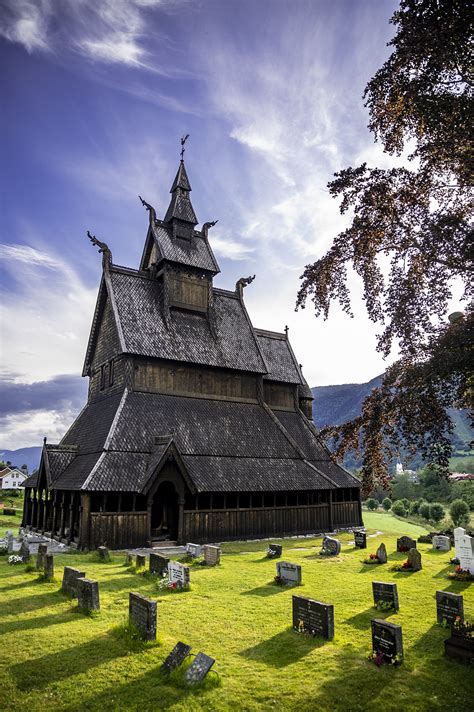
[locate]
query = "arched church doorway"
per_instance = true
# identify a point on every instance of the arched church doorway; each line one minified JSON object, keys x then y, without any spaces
{"x":165,"y":512}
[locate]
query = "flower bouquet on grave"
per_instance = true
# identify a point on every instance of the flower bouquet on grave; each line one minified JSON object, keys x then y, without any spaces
{"x":404,"y":549}
{"x":15,"y":559}
{"x":372,"y":559}
{"x":461,"y":574}
{"x":379,"y":658}
{"x":383,"y":606}
{"x":406,"y":566}
{"x":278,"y":580}
{"x":454,"y":561}
{"x":272,"y":554}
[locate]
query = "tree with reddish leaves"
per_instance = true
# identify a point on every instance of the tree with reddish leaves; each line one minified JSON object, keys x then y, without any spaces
{"x":419,"y":219}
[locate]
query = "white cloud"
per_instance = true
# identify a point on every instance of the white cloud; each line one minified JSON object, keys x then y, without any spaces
{"x":26,"y":22}
{"x":28,"y":429}
{"x":45,"y":318}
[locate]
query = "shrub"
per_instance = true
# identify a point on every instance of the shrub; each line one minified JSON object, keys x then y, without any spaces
{"x":424,"y":510}
{"x":387,"y":503}
{"x":399,"y":509}
{"x":415,"y":506}
{"x":459,"y":511}
{"x":372,"y":504}
{"x":436,"y":512}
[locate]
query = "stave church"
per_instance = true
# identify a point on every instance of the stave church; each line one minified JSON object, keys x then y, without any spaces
{"x":198,"y":426}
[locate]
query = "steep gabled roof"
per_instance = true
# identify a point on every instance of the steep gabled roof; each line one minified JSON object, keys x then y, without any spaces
{"x":196,"y":252}
{"x":281,"y":362}
{"x":180,"y":207}
{"x":221,"y":445}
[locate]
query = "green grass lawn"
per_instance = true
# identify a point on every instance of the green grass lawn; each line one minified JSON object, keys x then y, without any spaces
{"x":55,"y":658}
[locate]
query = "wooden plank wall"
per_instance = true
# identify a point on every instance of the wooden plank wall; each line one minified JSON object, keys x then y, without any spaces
{"x":118,"y":530}
{"x":345,"y":514}
{"x":219,"y":525}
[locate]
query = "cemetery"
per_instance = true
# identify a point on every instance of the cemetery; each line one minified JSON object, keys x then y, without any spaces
{"x":232,"y":639}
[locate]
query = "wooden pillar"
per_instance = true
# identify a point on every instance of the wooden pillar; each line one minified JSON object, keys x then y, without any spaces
{"x":330,"y":512}
{"x":359,"y":508}
{"x":55,"y":513}
{"x":63,"y":515}
{"x":26,"y":508}
{"x":148,"y":508}
{"x":39,"y":513}
{"x":84,"y":517}
{"x":180,"y":519}
{"x":34,"y":506}
{"x":71,"y":516}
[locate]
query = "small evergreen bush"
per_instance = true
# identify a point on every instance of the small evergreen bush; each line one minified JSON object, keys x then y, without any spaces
{"x":399,"y":508}
{"x":372,"y":504}
{"x":424,"y":510}
{"x":387,"y":504}
{"x":436,"y":512}
{"x":459,"y":512}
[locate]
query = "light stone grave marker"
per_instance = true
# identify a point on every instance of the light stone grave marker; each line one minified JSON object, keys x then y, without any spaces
{"x":212,"y":554}
{"x":104,"y":553}
{"x":178,"y":574}
{"x":414,"y":557}
{"x":42,"y":551}
{"x":441,"y":543}
{"x":464,"y":547}
{"x":49,"y":567}
{"x":70,"y":578}
{"x":193,"y":550}
{"x":288,"y":573}
{"x":88,"y":595}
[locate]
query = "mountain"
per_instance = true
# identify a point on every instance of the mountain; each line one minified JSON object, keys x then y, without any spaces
{"x":334,"y":405}
{"x":29,"y":456}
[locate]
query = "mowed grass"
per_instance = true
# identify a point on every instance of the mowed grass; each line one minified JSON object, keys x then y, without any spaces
{"x":53,"y":657}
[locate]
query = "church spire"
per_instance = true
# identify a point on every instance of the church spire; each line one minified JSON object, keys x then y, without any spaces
{"x":180,"y":212}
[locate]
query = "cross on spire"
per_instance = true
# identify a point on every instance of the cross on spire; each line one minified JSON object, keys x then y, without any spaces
{"x":183,"y":141}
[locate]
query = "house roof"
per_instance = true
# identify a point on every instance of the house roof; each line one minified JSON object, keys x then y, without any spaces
{"x":132,"y":433}
{"x":282,"y":365}
{"x":195,"y":252}
{"x":136,"y":301}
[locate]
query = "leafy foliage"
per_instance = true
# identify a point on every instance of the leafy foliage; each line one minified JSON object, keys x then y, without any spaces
{"x":436,"y":512}
{"x":399,"y":508}
{"x":387,"y":503}
{"x":417,"y":220}
{"x":459,"y":512}
{"x":372,"y":504}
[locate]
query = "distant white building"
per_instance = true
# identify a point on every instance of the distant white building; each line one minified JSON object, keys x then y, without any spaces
{"x":412,"y":475}
{"x":12,"y":478}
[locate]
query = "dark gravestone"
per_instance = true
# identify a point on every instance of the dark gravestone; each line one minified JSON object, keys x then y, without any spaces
{"x":158,"y":564}
{"x":414,"y":557}
{"x":70,"y":578}
{"x":212,"y":554}
{"x":405,"y":543}
{"x":387,"y":639}
{"x":460,"y":646}
{"x":331,"y":547}
{"x":449,"y":607}
{"x":177,"y":656}
{"x":142,"y":613}
{"x":87,"y":595}
{"x":25,"y":551}
{"x":385,"y":593}
{"x":274,"y":551}
{"x":360,"y":540}
{"x":313,"y":617}
{"x":42,"y":551}
{"x":128,"y":559}
{"x":289,"y":573}
{"x":198,"y":669}
{"x":381,"y":554}
{"x":104,"y":553}
{"x":49,"y":567}
{"x":140,"y":561}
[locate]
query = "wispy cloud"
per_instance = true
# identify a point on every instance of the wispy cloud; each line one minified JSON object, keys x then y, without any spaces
{"x":27,"y":22}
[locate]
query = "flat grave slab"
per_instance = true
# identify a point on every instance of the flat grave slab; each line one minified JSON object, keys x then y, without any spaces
{"x":198,"y":669}
{"x":177,"y":656}
{"x":313,"y":617}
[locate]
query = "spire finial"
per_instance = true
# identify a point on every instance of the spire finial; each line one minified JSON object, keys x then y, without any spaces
{"x":183,"y":141}
{"x":287,"y":328}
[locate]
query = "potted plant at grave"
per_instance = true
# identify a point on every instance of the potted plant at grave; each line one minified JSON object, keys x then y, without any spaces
{"x":372,"y":559}
{"x":461,"y":574}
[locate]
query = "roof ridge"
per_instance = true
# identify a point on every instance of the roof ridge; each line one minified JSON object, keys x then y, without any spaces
{"x":271,"y":334}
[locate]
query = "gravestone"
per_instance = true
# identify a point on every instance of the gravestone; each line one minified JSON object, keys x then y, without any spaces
{"x":198,"y":669}
{"x":274,"y":551}
{"x":88,"y":595}
{"x":441,"y":543}
{"x":387,"y":639}
{"x":360,"y":540}
{"x":10,"y":543}
{"x":25,"y":551}
{"x":414,"y":557}
{"x":158,"y":564}
{"x":49,"y":567}
{"x":449,"y":607}
{"x":385,"y":593}
{"x":140,"y":561}
{"x":212,"y":555}
{"x":178,"y":574}
{"x":405,"y":543}
{"x":313,"y":617}
{"x":381,"y":554}
{"x":289,"y":573}
{"x":460,"y":646}
{"x":177,"y":656}
{"x":331,"y":546}
{"x":70,"y":578}
{"x":128,"y":559}
{"x":142,"y":613}
{"x":42,"y":551}
{"x":464,"y":547}
{"x":104,"y":553}
{"x":193,"y":550}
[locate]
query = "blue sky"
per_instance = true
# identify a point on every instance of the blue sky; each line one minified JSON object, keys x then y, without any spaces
{"x":96,"y":94}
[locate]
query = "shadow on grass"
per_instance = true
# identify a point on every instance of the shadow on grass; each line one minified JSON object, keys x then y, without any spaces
{"x":370,"y":567}
{"x":30,"y":603}
{"x":41,"y":672}
{"x":443,"y":572}
{"x":269,"y":589}
{"x":16,"y":586}
{"x":283,"y":648}
{"x":362,"y":620}
{"x":38,"y":622}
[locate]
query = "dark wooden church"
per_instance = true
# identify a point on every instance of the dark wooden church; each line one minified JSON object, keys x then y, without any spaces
{"x":198,"y":426}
